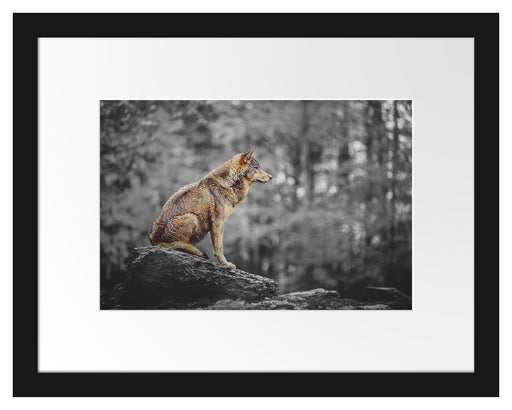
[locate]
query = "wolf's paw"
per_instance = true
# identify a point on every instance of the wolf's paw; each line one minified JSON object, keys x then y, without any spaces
{"x":230,"y":265}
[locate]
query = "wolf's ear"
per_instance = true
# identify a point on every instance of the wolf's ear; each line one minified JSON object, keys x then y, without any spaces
{"x":246,"y":158}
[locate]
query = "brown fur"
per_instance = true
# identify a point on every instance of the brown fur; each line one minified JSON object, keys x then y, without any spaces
{"x":204,"y":205}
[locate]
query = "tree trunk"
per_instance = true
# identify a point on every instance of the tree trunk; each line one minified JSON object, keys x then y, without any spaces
{"x":343,"y":154}
{"x":370,"y":165}
{"x":307,"y":168}
{"x":394,"y":163}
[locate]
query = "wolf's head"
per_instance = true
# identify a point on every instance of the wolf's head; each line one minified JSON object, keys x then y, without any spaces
{"x":250,"y":169}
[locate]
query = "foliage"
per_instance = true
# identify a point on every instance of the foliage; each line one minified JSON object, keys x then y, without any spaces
{"x":337,"y":214}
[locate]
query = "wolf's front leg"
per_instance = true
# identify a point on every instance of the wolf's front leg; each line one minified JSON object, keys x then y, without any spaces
{"x":216,"y":237}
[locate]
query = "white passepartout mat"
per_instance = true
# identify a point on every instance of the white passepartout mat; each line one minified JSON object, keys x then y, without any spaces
{"x":75,"y":74}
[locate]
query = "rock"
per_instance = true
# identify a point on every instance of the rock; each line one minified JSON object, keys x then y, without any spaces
{"x":310,"y":299}
{"x":161,"y":278}
{"x":165,"y":277}
{"x":114,"y":298}
{"x":315,"y":299}
{"x":386,"y":295}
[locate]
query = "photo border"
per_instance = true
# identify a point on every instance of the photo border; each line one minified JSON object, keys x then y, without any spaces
{"x":28,"y":28}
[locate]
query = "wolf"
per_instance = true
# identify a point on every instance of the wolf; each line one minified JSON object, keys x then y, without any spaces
{"x":204,"y":205}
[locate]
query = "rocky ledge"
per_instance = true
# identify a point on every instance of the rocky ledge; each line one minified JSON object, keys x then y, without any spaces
{"x":161,"y":278}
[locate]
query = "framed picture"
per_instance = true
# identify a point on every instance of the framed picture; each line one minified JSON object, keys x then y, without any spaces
{"x":360,"y":256}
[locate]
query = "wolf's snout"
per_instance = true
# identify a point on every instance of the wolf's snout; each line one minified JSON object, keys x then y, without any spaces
{"x":267,"y":178}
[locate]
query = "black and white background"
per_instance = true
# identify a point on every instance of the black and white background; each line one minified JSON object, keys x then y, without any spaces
{"x":337,"y":216}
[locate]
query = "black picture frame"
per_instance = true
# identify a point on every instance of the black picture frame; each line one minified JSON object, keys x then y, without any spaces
{"x":28,"y":28}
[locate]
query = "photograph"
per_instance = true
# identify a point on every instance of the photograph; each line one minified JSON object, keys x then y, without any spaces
{"x":256,"y":205}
